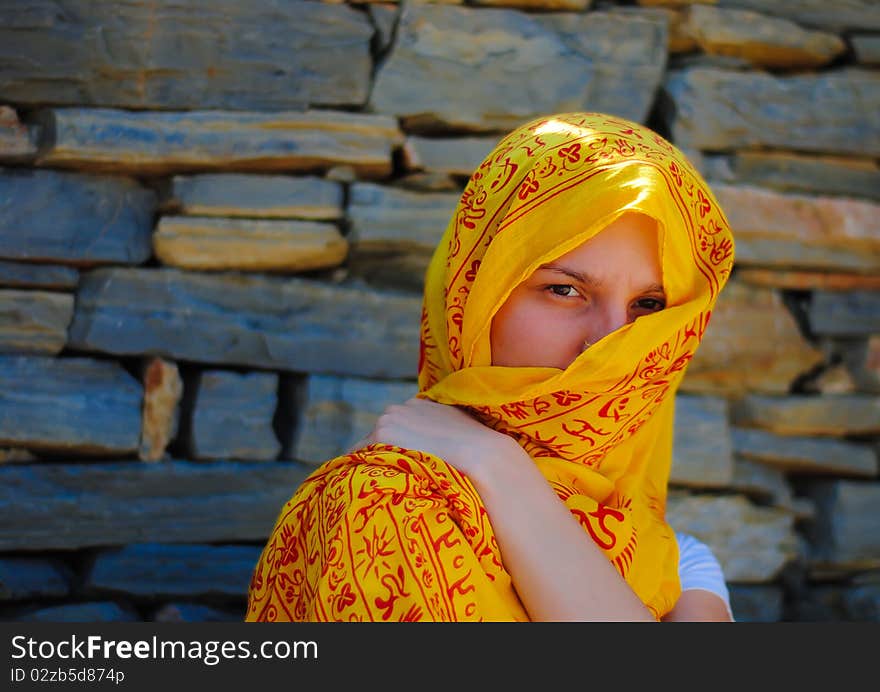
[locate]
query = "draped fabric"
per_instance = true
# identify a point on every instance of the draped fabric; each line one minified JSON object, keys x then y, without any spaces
{"x":386,"y":533}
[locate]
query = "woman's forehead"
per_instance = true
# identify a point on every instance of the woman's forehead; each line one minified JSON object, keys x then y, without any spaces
{"x":632,"y":238}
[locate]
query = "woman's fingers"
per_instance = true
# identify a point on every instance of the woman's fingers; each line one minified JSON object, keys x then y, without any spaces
{"x":426,"y":425}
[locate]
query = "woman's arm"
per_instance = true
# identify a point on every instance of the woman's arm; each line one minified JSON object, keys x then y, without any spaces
{"x":558,"y":575}
{"x":558,"y":572}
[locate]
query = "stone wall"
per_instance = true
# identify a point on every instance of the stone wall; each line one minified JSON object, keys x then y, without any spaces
{"x":214,"y":220}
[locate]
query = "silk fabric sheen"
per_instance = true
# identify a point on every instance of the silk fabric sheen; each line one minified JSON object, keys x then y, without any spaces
{"x":391,"y":534}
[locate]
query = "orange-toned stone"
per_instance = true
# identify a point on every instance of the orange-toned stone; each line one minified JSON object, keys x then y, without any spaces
{"x":681,"y":39}
{"x":752,"y":344}
{"x":207,"y":243}
{"x":807,"y":280}
{"x":163,"y":389}
{"x":15,"y":140}
{"x":761,"y":39}
{"x":806,"y":232}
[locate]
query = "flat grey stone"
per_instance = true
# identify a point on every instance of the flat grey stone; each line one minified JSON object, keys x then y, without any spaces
{"x":69,"y":506}
{"x":818,"y":603}
{"x":165,"y":54}
{"x":846,"y":533}
{"x":756,"y":603}
{"x":196,"y":612}
{"x":452,"y":155}
{"x":403,"y":271}
{"x":74,"y":217}
{"x":785,"y":253}
{"x":233,"y":416}
{"x":527,"y":65}
{"x":810,"y":455}
{"x":830,"y":111}
{"x":44,"y":276}
{"x":339,"y":411}
{"x":829,"y":414}
{"x":862,"y":603}
{"x":836,"y":16}
{"x":824,"y":175}
{"x":254,"y":196}
{"x":284,"y":324}
{"x":866,"y":48}
{"x":75,"y":405}
{"x":841,"y":602}
{"x":701,"y":449}
{"x":394,"y":231}
{"x":850,"y":313}
{"x":156,"y":571}
{"x":386,"y":219}
{"x":752,"y":543}
{"x":764,"y":483}
{"x":32,"y":578}
{"x":97,"y":611}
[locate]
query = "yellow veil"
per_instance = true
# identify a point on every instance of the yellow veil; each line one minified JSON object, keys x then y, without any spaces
{"x":386,"y":533}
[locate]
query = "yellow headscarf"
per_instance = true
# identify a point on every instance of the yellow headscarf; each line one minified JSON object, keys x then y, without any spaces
{"x":391,"y":534}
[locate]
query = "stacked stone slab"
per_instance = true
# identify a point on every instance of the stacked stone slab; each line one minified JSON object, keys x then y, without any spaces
{"x":215,"y":220}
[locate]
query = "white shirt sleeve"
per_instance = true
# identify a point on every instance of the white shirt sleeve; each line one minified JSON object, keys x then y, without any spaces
{"x":698,"y":568}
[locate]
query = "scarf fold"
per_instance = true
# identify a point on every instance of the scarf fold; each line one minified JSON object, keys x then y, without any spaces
{"x":386,"y":533}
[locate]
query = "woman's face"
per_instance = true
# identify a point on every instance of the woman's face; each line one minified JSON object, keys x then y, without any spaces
{"x":601,"y":285}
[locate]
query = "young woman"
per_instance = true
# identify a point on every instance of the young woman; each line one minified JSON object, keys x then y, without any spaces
{"x":527,"y":480}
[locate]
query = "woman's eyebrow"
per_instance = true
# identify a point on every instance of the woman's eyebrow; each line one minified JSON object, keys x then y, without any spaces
{"x":580,"y":277}
{"x":588,"y":280}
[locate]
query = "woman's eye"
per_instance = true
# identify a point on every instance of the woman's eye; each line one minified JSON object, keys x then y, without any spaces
{"x":563,"y":290}
{"x":650,"y":304}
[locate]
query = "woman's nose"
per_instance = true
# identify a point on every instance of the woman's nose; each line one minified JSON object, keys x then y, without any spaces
{"x":605,"y":321}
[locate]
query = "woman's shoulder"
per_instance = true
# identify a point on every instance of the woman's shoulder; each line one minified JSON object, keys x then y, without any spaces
{"x":383,"y":470}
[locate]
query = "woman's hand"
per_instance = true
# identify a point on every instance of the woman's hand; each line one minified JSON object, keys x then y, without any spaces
{"x":446,"y":432}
